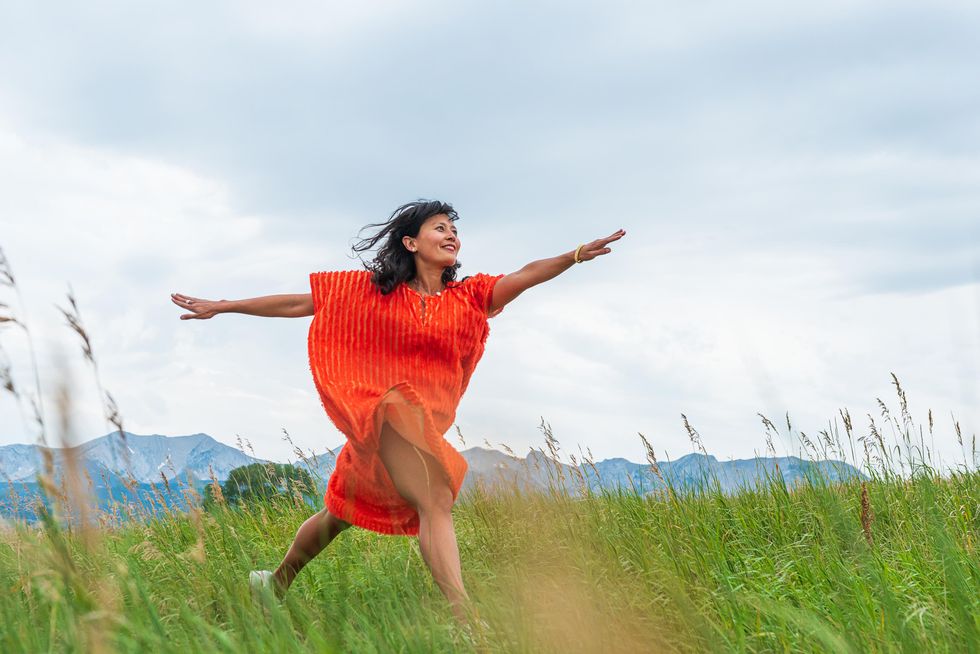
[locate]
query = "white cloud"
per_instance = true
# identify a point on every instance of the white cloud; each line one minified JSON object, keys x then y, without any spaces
{"x":125,"y":232}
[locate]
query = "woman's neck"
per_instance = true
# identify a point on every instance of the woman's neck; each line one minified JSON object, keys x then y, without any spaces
{"x":427,"y":278}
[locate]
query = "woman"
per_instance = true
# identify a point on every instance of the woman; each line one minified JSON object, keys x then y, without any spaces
{"x":392,"y":349}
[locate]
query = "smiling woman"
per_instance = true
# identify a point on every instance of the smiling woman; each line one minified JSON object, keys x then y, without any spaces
{"x":392,"y":349}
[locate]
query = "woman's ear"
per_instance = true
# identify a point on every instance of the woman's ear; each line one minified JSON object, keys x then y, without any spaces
{"x":408,"y":242}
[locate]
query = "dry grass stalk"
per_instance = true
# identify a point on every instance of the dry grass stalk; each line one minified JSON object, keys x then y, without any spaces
{"x":808,"y":444}
{"x":770,"y":430}
{"x":270,"y":473}
{"x":37,"y":402}
{"x":867,"y":514}
{"x":885,"y":413}
{"x":554,"y":449}
{"x":903,"y":401}
{"x":827,"y":443}
{"x":848,"y":424}
{"x":158,"y":496}
{"x":129,"y":481}
{"x":695,"y":437}
{"x":587,"y":460}
{"x":298,"y":451}
{"x":166,"y":484}
{"x":169,"y":463}
{"x":251,"y":449}
{"x":109,"y":406}
{"x":652,"y":459}
{"x":879,"y":440}
{"x":219,"y":497}
{"x":196,"y":552}
{"x":583,"y":483}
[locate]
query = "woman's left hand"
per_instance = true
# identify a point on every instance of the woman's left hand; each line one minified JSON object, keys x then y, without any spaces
{"x":598,"y":247}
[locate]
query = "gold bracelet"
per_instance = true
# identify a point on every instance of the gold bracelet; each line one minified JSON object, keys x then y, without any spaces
{"x":577,"y":250}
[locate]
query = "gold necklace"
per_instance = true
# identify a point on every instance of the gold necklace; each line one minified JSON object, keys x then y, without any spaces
{"x":418,"y":289}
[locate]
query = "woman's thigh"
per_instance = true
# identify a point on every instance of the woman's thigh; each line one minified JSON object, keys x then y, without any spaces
{"x":415,"y":473}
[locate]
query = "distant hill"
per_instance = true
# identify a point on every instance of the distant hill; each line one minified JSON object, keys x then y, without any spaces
{"x":150,"y":457}
{"x":146,"y":457}
{"x":489,"y":468}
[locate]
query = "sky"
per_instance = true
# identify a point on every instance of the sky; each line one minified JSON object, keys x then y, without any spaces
{"x":799,"y":184}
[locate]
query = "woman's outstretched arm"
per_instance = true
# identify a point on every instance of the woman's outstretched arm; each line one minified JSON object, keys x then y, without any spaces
{"x":512,"y":285}
{"x":269,"y":306}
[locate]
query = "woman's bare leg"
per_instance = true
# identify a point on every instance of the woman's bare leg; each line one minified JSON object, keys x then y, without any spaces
{"x":311,"y":538}
{"x":417,"y":478}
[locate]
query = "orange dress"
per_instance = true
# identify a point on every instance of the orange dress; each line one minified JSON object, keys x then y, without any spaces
{"x":381,"y":357}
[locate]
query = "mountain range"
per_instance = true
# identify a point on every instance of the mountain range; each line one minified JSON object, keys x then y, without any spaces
{"x":151,"y":458}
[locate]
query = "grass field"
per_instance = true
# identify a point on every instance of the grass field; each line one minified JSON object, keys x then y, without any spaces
{"x":818,"y":568}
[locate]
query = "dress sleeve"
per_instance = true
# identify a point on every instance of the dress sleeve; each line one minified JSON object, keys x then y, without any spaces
{"x":481,"y":285}
{"x":329,"y":286}
{"x":318,"y":288}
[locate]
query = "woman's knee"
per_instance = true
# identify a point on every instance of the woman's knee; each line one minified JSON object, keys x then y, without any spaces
{"x":438,"y":499}
{"x":334,"y":524}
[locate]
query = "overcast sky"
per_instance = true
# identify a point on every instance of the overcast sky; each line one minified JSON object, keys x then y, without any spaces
{"x":799,"y":182}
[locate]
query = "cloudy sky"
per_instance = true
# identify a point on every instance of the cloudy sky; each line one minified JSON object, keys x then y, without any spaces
{"x":799,"y":182}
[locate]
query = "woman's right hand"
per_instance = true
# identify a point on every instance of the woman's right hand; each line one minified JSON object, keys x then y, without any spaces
{"x":200,"y":309}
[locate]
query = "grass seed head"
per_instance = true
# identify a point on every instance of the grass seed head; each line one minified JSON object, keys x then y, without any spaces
{"x":867,"y":514}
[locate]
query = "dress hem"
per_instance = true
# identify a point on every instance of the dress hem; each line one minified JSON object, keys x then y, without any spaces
{"x":452,"y":465}
{"x":336,"y":506}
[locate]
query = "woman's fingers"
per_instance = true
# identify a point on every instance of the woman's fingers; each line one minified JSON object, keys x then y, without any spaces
{"x":187,"y":299}
{"x":199,"y":307}
{"x":182,"y":303}
{"x":184,"y":298}
{"x":598,"y":247}
{"x":592,"y":251}
{"x":613,"y":237}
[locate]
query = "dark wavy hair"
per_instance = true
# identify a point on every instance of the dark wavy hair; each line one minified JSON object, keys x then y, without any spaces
{"x":393,"y":263}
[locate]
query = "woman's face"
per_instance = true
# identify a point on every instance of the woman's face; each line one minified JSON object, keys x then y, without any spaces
{"x":437,"y":242}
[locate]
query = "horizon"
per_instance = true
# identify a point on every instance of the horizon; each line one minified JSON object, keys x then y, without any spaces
{"x":461,"y":449}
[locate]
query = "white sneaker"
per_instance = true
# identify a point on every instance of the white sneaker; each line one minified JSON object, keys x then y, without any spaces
{"x":260,"y":581}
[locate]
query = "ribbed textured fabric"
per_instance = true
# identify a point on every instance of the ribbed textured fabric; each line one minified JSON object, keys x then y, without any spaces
{"x":381,"y":357}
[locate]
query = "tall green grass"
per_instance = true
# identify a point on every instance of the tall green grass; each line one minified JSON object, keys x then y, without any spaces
{"x":765,"y":570}
{"x":887,"y":564}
